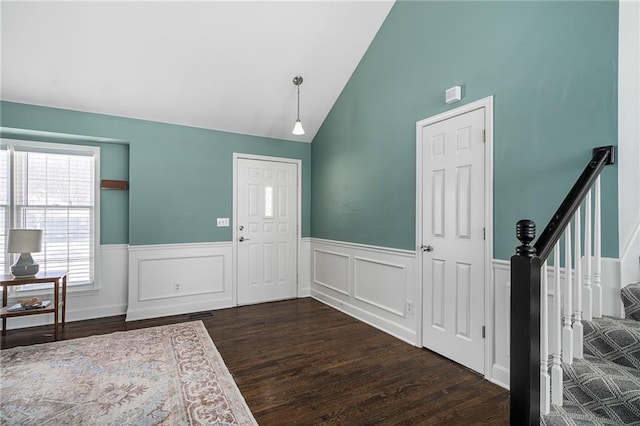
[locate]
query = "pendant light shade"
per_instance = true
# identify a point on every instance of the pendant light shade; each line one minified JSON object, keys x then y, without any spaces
{"x":297,"y":128}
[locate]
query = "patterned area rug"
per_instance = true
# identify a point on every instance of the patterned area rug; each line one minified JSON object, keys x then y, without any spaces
{"x":169,"y":375}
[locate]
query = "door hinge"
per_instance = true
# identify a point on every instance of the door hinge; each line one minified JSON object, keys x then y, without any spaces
{"x":484,"y":233}
{"x":483,"y":331}
{"x":484,"y":136}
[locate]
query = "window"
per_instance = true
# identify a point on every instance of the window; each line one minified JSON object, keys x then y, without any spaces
{"x":52,"y":187}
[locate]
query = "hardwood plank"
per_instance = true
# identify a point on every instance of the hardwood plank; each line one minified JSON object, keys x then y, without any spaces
{"x":302,"y":362}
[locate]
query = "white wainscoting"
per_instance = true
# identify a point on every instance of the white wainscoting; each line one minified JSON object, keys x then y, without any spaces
{"x":108,"y":299}
{"x":172,"y":279}
{"x":499,"y":372}
{"x":372,"y":284}
{"x":304,"y":268}
{"x":629,"y":268}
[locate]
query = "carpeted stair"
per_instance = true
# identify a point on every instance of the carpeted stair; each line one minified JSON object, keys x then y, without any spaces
{"x":631,"y":301}
{"x":604,"y":387}
{"x":616,"y":340}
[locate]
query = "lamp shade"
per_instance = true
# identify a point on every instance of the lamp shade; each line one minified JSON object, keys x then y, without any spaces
{"x":24,"y":240}
{"x":297,"y":129}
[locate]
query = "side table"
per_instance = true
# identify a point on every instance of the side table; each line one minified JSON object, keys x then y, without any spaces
{"x":59,"y":281}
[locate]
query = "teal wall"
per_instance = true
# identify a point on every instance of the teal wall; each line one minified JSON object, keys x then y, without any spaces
{"x":552,"y":69}
{"x":180,"y":178}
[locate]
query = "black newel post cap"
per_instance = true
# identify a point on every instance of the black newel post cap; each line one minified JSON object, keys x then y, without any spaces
{"x":525,"y":232}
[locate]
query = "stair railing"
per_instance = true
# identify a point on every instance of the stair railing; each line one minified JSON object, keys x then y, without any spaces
{"x":543,"y":335}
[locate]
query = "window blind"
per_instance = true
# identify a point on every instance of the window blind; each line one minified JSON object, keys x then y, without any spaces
{"x":54,"y":190}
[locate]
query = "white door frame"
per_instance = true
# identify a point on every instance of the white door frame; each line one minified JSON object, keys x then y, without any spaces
{"x":234,"y":234}
{"x":487,"y":104}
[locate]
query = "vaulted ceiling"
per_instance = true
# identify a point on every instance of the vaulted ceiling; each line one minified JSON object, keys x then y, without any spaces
{"x":224,"y":65}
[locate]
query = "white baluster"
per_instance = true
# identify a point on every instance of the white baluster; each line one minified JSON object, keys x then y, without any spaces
{"x":587,"y":297}
{"x":567,"y":296}
{"x":545,"y":379}
{"x":556,"y":367}
{"x":597,"y":246}
{"x":578,"y":330}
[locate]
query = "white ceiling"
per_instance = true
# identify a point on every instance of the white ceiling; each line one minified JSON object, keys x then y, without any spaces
{"x":224,"y":65}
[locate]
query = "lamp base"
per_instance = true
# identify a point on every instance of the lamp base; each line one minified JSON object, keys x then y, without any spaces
{"x":24,"y":266}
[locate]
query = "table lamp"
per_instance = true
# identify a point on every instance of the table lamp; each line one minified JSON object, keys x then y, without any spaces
{"x":25,"y":242}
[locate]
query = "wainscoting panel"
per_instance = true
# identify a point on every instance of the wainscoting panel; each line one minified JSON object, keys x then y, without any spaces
{"x":304,"y":268}
{"x":373,"y":284}
{"x":164,"y":278}
{"x":331,"y":270}
{"x":390,"y":296}
{"x":172,"y":279}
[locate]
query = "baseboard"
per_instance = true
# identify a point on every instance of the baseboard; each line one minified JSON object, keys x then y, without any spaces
{"x":176,"y":309}
{"x":71,"y":316}
{"x":367,"y":317}
{"x":500,"y":376}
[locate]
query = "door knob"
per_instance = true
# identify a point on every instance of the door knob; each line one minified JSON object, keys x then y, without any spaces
{"x":426,"y":248}
{"x":241,"y":239}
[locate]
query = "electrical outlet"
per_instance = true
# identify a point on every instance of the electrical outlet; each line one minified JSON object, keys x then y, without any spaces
{"x":409,"y":307}
{"x":176,"y":287}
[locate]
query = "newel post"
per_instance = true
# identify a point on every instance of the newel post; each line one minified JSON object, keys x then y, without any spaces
{"x":525,"y":329}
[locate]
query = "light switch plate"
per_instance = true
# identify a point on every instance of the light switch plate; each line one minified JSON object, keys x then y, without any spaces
{"x":223,"y":221}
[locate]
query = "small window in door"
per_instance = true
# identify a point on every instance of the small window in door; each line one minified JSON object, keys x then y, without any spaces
{"x":268,"y":201}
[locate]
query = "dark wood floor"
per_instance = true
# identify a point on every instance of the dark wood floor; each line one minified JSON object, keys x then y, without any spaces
{"x":301,"y":362}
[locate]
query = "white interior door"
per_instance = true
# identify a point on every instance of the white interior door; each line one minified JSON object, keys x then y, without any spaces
{"x":266,"y":230}
{"x":453,"y":237}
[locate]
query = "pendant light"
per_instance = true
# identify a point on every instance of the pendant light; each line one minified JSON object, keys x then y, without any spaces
{"x":297,"y":129}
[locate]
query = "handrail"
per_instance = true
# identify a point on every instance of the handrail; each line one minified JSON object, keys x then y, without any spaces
{"x":525,"y":292}
{"x":602,"y":156}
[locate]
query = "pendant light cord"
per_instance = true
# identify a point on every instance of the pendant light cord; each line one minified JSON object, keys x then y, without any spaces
{"x":298,"y":101}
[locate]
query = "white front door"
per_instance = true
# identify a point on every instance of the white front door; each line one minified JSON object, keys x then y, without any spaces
{"x":453,"y":237}
{"x":266,"y":230}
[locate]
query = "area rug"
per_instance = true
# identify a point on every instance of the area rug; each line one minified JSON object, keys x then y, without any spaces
{"x":169,"y":375}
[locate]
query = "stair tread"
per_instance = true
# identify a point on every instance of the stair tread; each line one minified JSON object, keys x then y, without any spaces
{"x":613,"y":339}
{"x":607,"y":389}
{"x":631,"y":299}
{"x":604,"y":387}
{"x":573,"y":414}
